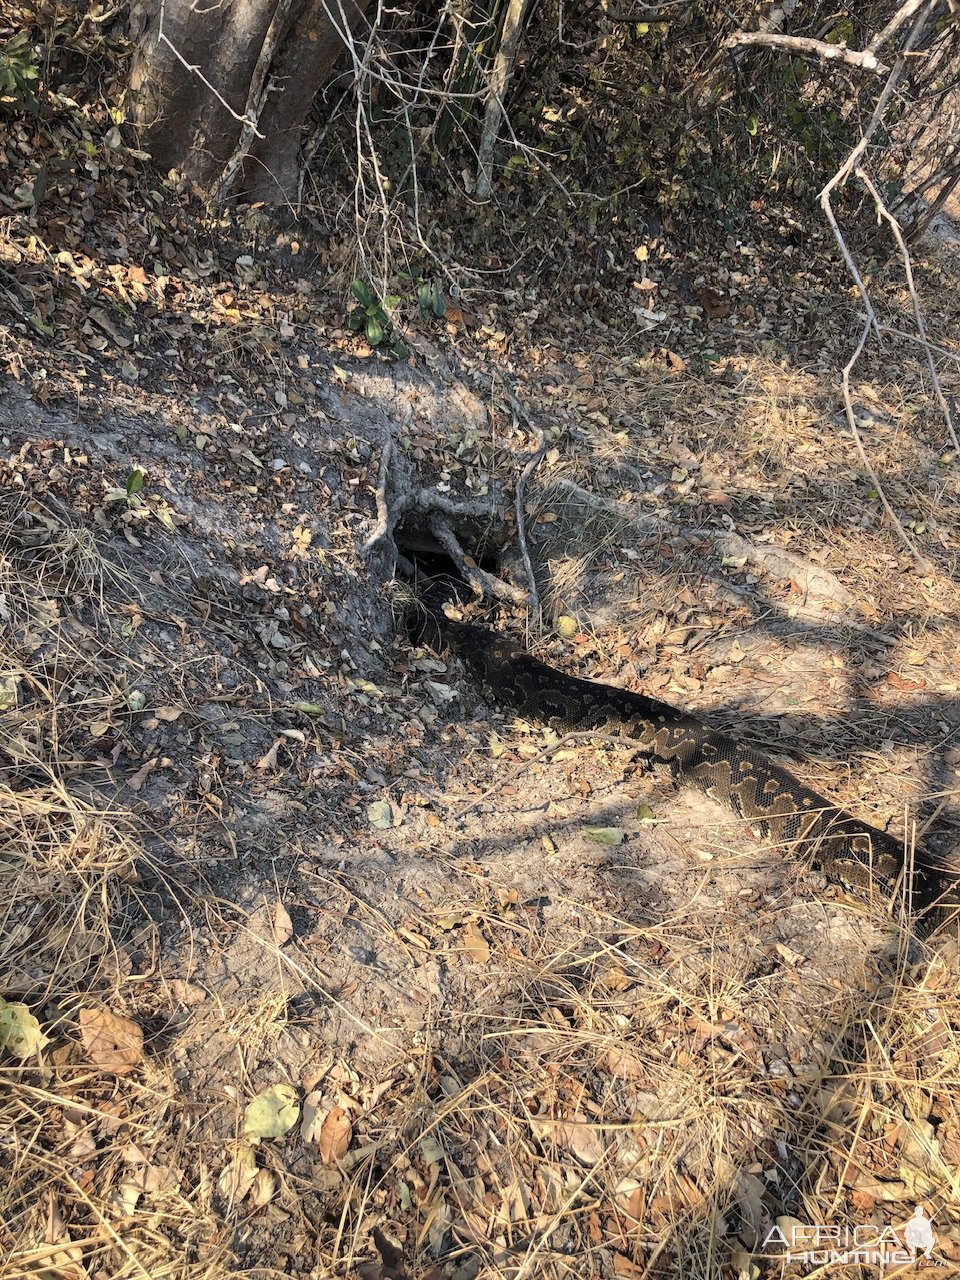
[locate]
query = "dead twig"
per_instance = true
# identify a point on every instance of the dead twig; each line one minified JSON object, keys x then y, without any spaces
{"x":850,"y":164}
{"x":256,"y":100}
{"x":194,"y":69}
{"x":903,"y":14}
{"x":885,"y":213}
{"x":806,"y":46}
{"x":535,"y":459}
{"x":912,"y":337}
{"x":921,"y":562}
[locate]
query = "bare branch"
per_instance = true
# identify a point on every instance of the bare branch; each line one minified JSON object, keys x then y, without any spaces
{"x":921,"y":562}
{"x":851,"y":165}
{"x":912,"y":337}
{"x":903,"y":14}
{"x":884,"y":212}
{"x":805,"y":46}
{"x":851,"y":162}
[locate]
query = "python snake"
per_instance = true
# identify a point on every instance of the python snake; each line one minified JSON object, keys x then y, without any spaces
{"x":859,"y":857}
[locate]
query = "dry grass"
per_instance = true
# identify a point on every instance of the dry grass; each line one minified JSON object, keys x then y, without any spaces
{"x":76,"y":1142}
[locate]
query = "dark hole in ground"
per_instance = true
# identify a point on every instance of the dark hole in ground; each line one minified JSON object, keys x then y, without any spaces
{"x":432,"y":573}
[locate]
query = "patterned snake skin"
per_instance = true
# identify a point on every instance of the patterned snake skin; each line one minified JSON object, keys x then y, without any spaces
{"x":849,"y":851}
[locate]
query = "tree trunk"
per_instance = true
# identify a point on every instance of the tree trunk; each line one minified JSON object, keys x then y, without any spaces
{"x":222,"y":91}
{"x":503,"y":65}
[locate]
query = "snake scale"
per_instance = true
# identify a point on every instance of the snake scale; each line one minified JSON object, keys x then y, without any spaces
{"x":849,"y":851}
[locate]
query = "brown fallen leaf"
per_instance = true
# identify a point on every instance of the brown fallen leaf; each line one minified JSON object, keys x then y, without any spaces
{"x":186,"y":993}
{"x":269,"y":759}
{"x":263,"y":1188}
{"x":585,"y":1141}
{"x":238,"y":1175}
{"x":112,"y":1043}
{"x":143,"y":773}
{"x":631,"y":1199}
{"x":282,"y":925}
{"x":714,"y":303}
{"x":475,"y":943}
{"x":335,"y":1135}
{"x":624,"y":1065}
{"x":68,"y":1260}
{"x":787,"y":954}
{"x":899,"y":682}
{"x":622,"y":1266}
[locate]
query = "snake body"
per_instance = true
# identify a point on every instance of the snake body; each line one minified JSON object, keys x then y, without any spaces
{"x":849,"y":851}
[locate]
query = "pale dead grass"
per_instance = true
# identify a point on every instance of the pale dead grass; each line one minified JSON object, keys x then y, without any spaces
{"x":636,"y":1108}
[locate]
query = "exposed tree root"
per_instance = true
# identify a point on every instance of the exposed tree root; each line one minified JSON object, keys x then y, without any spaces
{"x":402,"y":503}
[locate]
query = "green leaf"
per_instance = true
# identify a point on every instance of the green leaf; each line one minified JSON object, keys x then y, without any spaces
{"x":645,"y":813}
{"x":430,"y":297}
{"x":356,"y":319}
{"x":272,"y":1113}
{"x":8,"y":692}
{"x":20,"y":1032}
{"x":134,"y":482}
{"x":361,"y":291}
{"x":380,"y":815}
{"x":753,"y":124}
{"x":400,"y":349}
{"x":431,"y":1150}
{"x":374,"y":331}
{"x":604,"y":835}
{"x":391,"y":300}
